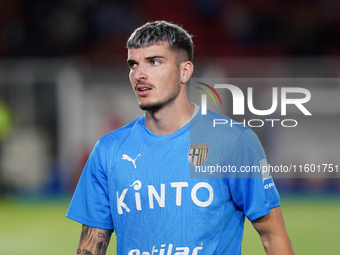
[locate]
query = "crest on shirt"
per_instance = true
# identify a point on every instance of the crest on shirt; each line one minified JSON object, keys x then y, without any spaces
{"x":198,"y":154}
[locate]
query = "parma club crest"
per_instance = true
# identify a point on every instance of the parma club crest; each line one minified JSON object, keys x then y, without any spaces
{"x":198,"y":154}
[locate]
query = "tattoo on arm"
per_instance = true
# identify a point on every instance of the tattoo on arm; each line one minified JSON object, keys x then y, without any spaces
{"x":102,"y":246}
{"x":85,"y":234}
{"x":94,"y":241}
{"x":87,"y":252}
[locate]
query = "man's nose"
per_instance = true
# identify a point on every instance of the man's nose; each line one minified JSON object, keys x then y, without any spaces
{"x":140,"y":73}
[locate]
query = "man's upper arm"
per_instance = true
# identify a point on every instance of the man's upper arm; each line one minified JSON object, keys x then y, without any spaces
{"x":93,"y":241}
{"x":253,"y":194}
{"x":272,"y":231}
{"x":90,"y":204}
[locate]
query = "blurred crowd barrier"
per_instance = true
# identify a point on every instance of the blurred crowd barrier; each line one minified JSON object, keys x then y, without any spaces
{"x":52,"y":112}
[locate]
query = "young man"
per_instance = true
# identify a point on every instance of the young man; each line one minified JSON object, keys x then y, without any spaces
{"x":137,"y":178}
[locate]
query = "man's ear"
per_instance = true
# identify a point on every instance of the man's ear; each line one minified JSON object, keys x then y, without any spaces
{"x":186,"y":70}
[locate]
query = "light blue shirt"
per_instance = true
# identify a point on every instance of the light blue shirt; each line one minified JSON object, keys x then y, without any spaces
{"x":154,"y":192}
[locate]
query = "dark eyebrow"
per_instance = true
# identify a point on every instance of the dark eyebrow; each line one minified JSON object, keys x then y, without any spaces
{"x":153,"y":57}
{"x":131,"y":61}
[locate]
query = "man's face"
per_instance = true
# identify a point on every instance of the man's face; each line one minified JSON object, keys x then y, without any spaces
{"x":154,"y":76}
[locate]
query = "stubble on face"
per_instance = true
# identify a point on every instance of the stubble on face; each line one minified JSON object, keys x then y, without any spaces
{"x":170,"y":98}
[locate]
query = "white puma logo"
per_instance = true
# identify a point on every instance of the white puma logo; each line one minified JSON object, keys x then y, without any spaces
{"x":126,"y":157}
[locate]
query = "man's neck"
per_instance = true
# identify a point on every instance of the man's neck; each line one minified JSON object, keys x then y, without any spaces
{"x":170,"y":118}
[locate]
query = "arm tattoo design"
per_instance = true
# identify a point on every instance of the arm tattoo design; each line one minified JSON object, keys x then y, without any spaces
{"x":87,"y":252}
{"x":102,"y":246}
{"x":98,"y":239}
{"x":85,"y":234}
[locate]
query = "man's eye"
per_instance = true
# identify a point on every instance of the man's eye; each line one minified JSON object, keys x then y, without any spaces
{"x":132,"y":65}
{"x":155,"y":62}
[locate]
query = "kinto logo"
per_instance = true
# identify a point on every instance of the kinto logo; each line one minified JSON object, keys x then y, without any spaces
{"x":239,"y":103}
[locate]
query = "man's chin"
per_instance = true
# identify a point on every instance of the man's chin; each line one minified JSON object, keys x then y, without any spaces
{"x":151,"y":107}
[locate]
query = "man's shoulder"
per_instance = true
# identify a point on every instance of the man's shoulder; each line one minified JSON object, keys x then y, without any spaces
{"x":121,"y":133}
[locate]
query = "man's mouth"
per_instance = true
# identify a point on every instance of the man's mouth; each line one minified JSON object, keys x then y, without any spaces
{"x":143,"y":90}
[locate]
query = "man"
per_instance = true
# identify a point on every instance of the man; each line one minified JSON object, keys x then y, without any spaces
{"x":137,"y":178}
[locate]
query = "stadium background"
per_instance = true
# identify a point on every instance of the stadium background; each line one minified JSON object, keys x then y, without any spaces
{"x":64,"y":83}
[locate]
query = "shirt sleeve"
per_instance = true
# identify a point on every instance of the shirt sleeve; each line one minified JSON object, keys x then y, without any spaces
{"x":90,"y":203}
{"x":252,"y":191}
